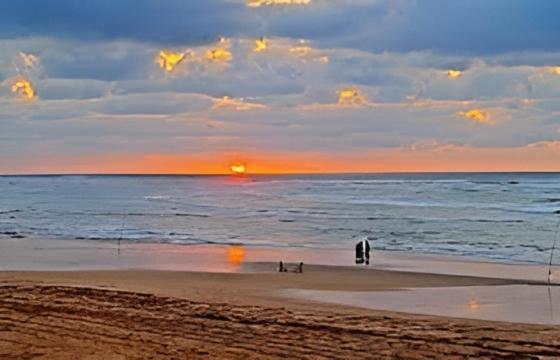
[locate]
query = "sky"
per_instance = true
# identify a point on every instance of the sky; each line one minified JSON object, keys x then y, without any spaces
{"x":279,"y":86}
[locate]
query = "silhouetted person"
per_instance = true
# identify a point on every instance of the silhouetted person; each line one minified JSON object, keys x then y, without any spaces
{"x":362,"y":252}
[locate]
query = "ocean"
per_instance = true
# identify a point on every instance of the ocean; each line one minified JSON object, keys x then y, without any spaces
{"x":509,"y":217}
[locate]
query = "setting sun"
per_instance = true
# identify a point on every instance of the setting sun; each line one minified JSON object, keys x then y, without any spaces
{"x":238,"y":169}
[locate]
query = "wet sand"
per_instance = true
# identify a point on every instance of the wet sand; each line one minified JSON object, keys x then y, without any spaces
{"x":260,"y":288}
{"x":530,"y":304}
{"x":240,"y":310}
{"x":72,"y":255}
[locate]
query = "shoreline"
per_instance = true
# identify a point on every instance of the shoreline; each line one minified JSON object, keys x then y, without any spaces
{"x":128,"y":243}
{"x":45,"y":254}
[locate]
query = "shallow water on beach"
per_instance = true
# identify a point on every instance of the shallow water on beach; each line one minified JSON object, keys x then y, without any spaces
{"x":506,"y":217}
{"x":530,"y":304}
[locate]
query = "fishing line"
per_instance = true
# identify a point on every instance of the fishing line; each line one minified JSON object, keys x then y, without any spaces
{"x":552,"y":251}
{"x":550,"y":270}
{"x":121,"y":234}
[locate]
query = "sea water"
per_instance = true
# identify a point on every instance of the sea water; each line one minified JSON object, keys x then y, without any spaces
{"x":500,"y":216}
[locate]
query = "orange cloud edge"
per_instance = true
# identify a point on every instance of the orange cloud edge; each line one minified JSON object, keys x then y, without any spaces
{"x":538,"y":157}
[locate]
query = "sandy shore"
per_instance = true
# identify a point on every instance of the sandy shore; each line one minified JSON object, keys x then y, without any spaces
{"x":258,"y":288}
{"x":54,"y":254}
{"x":165,"y":301}
{"x":164,"y":314}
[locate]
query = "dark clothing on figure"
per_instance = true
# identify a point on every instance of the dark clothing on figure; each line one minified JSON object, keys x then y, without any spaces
{"x":362,"y":252}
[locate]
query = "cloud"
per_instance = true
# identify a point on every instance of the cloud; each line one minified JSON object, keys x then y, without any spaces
{"x":454,"y":74}
{"x":360,"y":87}
{"x":305,"y":52}
{"x":351,"y":97}
{"x":261,"y":3}
{"x":377,"y":25}
{"x":547,"y":145}
{"x":168,"y":60}
{"x":219,"y":55}
{"x":170,"y":22}
{"x":477,"y":115}
{"x":346,"y":98}
{"x":434,"y":145}
{"x":260,"y":45}
{"x":555,"y":70}
{"x":72,"y":89}
{"x":228,"y":103}
{"x":24,"y":89}
{"x":489,"y":27}
{"x":26,"y":62}
{"x":197,"y":59}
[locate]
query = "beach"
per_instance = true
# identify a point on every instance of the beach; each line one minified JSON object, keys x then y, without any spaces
{"x":279,"y":179}
{"x":246,"y":310}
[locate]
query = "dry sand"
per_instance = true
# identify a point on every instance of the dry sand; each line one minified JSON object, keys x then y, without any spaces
{"x":163,"y":314}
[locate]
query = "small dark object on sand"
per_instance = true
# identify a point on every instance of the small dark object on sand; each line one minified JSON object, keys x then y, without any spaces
{"x":283,"y":268}
{"x":17,"y":237}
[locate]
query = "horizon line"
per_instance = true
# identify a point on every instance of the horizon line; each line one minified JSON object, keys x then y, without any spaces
{"x":285,"y":173}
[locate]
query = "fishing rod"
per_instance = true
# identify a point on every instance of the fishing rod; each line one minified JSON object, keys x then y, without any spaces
{"x":552,"y":252}
{"x":121,"y":234}
{"x":550,"y":269}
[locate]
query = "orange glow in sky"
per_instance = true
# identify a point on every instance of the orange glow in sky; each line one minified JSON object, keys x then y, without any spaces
{"x":541,"y":156}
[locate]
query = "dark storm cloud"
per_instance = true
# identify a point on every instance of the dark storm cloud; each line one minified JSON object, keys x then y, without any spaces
{"x":449,"y":26}
{"x":162,"y":21}
{"x":481,"y":26}
{"x":473,"y":27}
